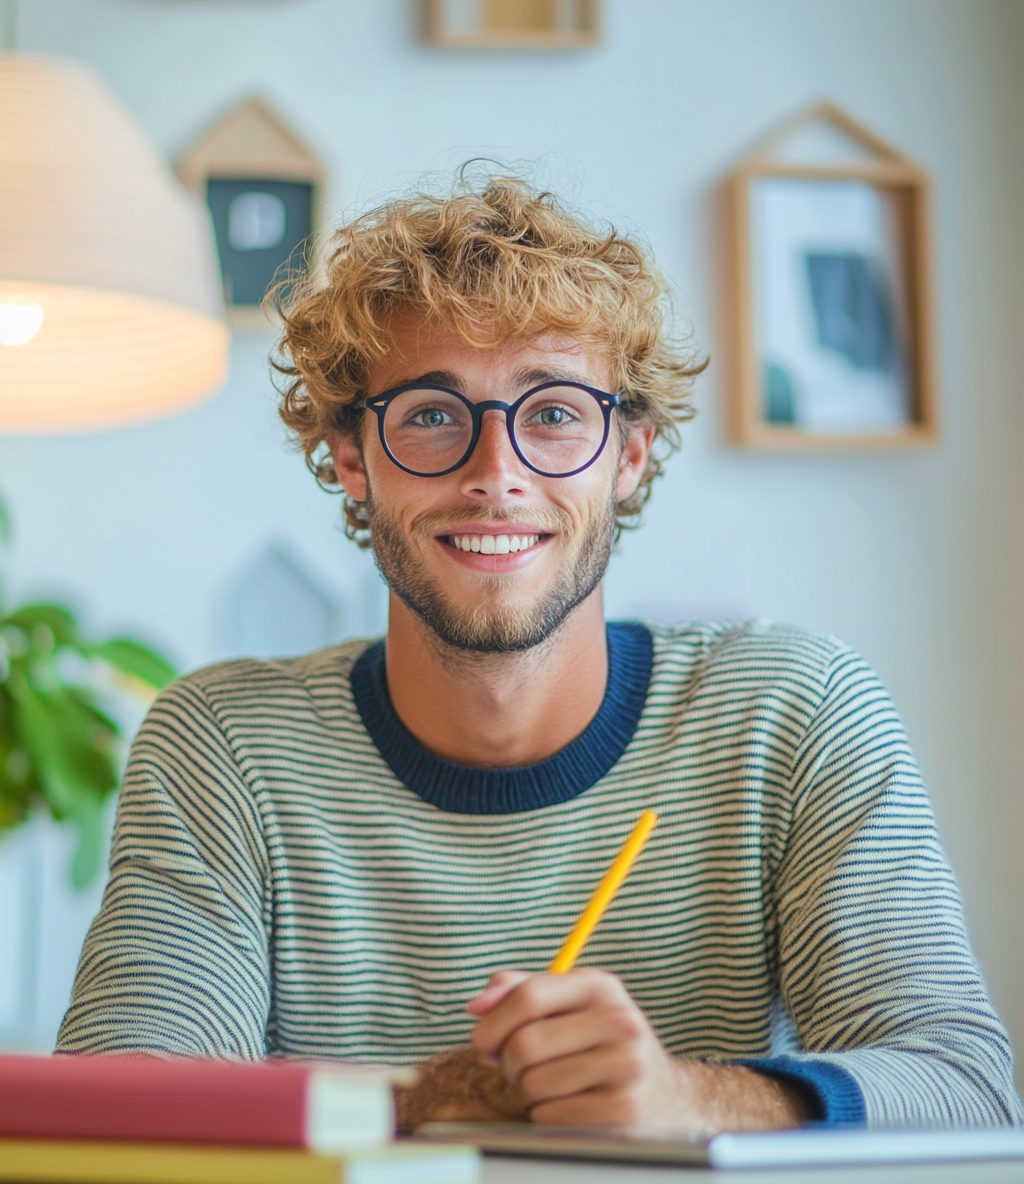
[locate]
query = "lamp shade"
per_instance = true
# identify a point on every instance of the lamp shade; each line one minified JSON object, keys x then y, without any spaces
{"x":111,"y":309}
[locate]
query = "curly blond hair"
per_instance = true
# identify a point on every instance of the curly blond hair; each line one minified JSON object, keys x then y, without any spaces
{"x":495,"y":264}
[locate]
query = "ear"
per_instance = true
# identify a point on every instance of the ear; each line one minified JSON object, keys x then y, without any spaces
{"x":632,"y":462}
{"x":348,"y":464}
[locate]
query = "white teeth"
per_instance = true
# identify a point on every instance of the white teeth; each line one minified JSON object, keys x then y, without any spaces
{"x":494,"y":544}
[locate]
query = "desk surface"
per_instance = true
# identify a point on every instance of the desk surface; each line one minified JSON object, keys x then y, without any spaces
{"x":500,"y":1170}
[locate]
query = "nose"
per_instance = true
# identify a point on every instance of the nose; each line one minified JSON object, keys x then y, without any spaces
{"x":493,"y":471}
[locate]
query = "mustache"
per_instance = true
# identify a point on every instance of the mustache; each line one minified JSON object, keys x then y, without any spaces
{"x":547,"y":521}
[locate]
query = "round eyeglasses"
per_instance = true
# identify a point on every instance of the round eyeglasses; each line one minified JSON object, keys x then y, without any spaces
{"x":557,"y":429}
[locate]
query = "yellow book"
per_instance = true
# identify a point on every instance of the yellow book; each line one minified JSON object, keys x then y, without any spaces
{"x":66,"y":1161}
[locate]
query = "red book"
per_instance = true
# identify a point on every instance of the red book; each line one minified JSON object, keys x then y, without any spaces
{"x":321,"y":1106}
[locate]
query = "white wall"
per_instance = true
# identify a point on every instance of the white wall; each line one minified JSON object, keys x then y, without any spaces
{"x":913,"y":558}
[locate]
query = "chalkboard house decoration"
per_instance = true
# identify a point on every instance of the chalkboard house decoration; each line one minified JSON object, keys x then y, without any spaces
{"x":263,"y":187}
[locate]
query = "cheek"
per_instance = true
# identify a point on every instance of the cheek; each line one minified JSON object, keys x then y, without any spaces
{"x":587,"y":502}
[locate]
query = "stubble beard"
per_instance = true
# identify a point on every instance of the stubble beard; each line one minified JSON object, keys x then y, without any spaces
{"x":501,"y":623}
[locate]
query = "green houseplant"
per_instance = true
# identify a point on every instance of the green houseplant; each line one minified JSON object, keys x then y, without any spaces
{"x":60,"y":750}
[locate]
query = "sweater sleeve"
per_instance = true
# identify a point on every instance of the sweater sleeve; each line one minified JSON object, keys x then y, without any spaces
{"x":875,"y":968}
{"x":177,"y":961}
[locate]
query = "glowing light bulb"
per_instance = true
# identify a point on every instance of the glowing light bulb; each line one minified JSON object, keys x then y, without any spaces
{"x":19,"y":323}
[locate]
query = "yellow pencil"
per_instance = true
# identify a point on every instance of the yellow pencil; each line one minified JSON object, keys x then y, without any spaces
{"x":605,"y":891}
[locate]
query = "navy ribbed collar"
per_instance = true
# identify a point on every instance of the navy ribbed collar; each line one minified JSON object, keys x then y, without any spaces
{"x":570,"y":772}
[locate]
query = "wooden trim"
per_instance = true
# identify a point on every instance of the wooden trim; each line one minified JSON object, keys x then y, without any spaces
{"x":824,"y":112}
{"x":785,"y":439}
{"x":250,"y":140}
{"x":744,"y":421}
{"x":880,"y":172}
{"x":584,"y":36}
{"x":922,"y":272}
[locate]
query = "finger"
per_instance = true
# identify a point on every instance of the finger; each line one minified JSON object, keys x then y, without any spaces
{"x":498,"y":986}
{"x":566,"y":1035}
{"x":608,"y":1067}
{"x":543,"y":995}
{"x":596,"y":1107}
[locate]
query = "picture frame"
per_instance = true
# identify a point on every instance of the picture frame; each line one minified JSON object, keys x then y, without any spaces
{"x":829,"y":292}
{"x":511,"y":24}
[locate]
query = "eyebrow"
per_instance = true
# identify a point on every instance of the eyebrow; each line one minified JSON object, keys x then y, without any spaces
{"x":432,"y":378}
{"x":535,"y":375}
{"x":523,"y":379}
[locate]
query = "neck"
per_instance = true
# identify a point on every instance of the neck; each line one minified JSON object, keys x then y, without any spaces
{"x":498,"y":711}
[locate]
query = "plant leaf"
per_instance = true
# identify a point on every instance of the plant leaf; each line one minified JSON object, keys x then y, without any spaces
{"x":70,"y":749}
{"x":54,"y":617}
{"x":18,"y":785}
{"x":56,"y":745}
{"x":131,"y":657}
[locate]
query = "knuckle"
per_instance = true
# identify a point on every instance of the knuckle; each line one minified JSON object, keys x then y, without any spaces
{"x":549,"y":1112}
{"x":632,"y":1063}
{"x":521,"y":1046}
{"x":610,"y":987}
{"x":620,"y":988}
{"x":626,"y":1022}
{"x":530,"y":993}
{"x":531,"y":1085}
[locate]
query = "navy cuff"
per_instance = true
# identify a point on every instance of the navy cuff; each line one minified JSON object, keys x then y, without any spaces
{"x":833,"y":1096}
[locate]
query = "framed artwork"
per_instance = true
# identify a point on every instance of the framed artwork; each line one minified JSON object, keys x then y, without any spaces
{"x":511,"y":24}
{"x":264,"y":190}
{"x":830,"y":292}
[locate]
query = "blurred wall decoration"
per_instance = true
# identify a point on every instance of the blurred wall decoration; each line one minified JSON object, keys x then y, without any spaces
{"x":831,"y":303}
{"x":511,"y":24}
{"x":915,"y":558}
{"x":264,"y":188}
{"x":277,"y":608}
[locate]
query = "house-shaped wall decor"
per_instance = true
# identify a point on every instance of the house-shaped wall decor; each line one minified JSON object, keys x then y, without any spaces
{"x":828,"y":291}
{"x":511,"y":24}
{"x":275,"y":607}
{"x":264,"y":188}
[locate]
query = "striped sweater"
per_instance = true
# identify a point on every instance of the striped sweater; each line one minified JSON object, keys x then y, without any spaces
{"x":293,"y":874}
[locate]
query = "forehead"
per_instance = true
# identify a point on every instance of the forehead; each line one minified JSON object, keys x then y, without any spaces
{"x":420,"y":345}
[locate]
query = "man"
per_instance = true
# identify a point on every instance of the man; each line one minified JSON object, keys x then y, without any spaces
{"x":373,"y":852}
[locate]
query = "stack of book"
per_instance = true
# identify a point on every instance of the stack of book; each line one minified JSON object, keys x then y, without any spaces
{"x":119,"y":1119}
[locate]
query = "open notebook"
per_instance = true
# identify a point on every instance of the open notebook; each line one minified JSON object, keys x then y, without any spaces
{"x":793,"y":1148}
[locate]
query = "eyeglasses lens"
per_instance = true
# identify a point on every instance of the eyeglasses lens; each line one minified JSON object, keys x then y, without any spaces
{"x":558,"y":429}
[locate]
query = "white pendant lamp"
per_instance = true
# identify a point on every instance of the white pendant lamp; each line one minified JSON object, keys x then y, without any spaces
{"x":111,"y":310}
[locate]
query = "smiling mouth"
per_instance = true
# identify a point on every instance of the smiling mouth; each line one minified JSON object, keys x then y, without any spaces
{"x":494,"y":544}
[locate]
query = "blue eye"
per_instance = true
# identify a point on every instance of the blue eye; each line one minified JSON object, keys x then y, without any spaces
{"x":432,"y":417}
{"x":554,"y":416}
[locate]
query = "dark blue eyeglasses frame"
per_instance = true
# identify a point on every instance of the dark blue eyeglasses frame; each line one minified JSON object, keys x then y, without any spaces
{"x":379,"y":405}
